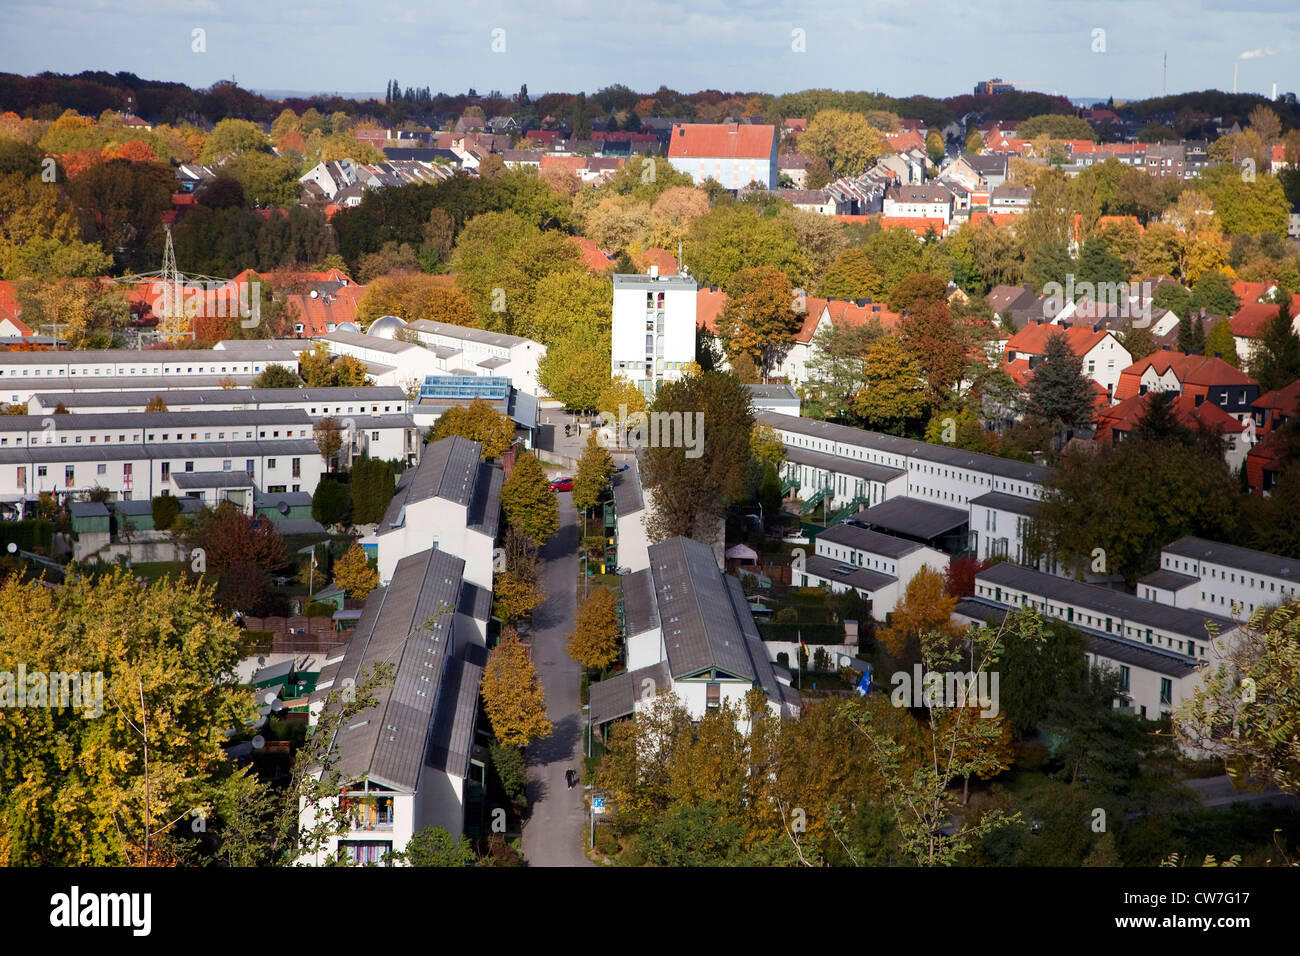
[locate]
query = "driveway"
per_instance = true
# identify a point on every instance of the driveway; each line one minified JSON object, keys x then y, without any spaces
{"x":556,"y":822}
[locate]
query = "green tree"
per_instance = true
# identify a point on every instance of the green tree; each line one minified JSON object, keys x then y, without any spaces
{"x":1255,"y":731}
{"x":529,"y":504}
{"x":1276,"y":361}
{"x":165,"y":510}
{"x":734,"y":236}
{"x":434,"y":846}
{"x":1059,"y":395}
{"x":231,"y":137}
{"x":331,"y":503}
{"x":1221,"y":342}
{"x":691,"y":486}
{"x":277,"y":376}
{"x":1213,"y":293}
{"x":851,"y":276}
{"x":373,"y":483}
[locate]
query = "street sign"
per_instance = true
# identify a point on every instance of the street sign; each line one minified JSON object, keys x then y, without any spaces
{"x":597,"y":804}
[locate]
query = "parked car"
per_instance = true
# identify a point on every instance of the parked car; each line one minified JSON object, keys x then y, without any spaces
{"x":562,"y":484}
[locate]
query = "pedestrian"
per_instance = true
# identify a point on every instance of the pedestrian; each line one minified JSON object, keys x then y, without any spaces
{"x":568,"y":777}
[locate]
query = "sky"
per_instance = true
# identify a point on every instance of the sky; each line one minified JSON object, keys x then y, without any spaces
{"x":899,"y":47}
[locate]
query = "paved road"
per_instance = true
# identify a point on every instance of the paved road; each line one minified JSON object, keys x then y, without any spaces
{"x":1215,"y":793}
{"x":555,"y":828}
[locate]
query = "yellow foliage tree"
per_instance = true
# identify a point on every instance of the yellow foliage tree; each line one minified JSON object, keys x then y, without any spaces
{"x":512,"y":694}
{"x":354,"y":573}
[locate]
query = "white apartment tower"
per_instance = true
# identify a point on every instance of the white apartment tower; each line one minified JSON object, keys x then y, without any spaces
{"x":653,"y":328}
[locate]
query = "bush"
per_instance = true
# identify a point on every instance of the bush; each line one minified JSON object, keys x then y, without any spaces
{"x":606,"y":841}
{"x":166,"y":509}
{"x":783,"y":660}
{"x":332,"y":503}
{"x":32,"y":534}
{"x":373,"y":484}
{"x":319,"y":609}
{"x":787,"y":615}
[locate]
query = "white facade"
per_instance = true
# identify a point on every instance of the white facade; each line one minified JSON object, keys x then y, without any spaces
{"x":858,"y":549}
{"x":653,"y":333}
{"x":1221,"y":578}
{"x":462,"y":350}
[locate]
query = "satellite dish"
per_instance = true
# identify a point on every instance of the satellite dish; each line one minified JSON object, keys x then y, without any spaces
{"x":282,"y":507}
{"x":270,"y":696}
{"x":261,"y":662}
{"x":259,"y":742}
{"x":13,"y":547}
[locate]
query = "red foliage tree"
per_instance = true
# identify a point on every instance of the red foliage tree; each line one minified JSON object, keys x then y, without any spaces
{"x":959,"y":579}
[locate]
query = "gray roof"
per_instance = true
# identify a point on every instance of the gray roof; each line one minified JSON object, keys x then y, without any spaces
{"x":475,"y":601}
{"x":1115,"y":604}
{"x":616,"y":697}
{"x":89,"y":509}
{"x":164,"y":451}
{"x":1152,"y":659}
{"x":389,"y":741}
{"x":1233,"y":556}
{"x":639,"y":280}
{"x":700,"y":627}
{"x":361,"y":340}
{"x":227,"y":396}
{"x":1169,"y":580}
{"x":913,"y":516}
{"x":940,"y":454}
{"x":855,"y":467}
{"x":484,"y":513}
{"x":125,"y":383}
{"x":1016,"y":504}
{"x":191,"y":480}
{"x":245,"y":352}
{"x":769,"y":393}
{"x":640,"y":612}
{"x":449,"y":468}
{"x":466,"y":333}
{"x":291,"y":498}
{"x":851,"y":536}
{"x":452,"y":739}
{"x":118,"y":420}
{"x":861,"y":578}
{"x":297,"y":525}
{"x":628,"y":498}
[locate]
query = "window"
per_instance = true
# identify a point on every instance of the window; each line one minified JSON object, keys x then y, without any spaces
{"x":69,"y":476}
{"x":1124,"y":674}
{"x":166,"y":470}
{"x":365,"y":852}
{"x":40,"y":471}
{"x":270,"y":464}
{"x":297,"y":467}
{"x":189,"y":466}
{"x":101,"y":469}
{"x":713,"y":696}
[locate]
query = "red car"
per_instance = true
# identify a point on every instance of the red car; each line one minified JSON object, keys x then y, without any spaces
{"x":562,"y":484}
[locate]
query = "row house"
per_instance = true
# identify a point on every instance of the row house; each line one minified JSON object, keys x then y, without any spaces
{"x":413,"y":759}
{"x":1250,"y":322}
{"x":1117,"y":422}
{"x":1157,"y":649}
{"x":481,"y":352}
{"x":451,"y":501}
{"x":1200,"y":575}
{"x":24,"y":374}
{"x":690,"y":631}
{"x":925,"y":202}
{"x":876,"y":565}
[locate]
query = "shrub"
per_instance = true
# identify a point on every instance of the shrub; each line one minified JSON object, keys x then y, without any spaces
{"x":332,"y":503}
{"x":787,"y":615}
{"x":606,"y":841}
{"x":318,"y":609}
{"x":166,"y":509}
{"x":783,"y":660}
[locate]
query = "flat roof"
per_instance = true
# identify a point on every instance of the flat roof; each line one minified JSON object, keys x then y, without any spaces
{"x":467,"y":334}
{"x":1168,"y":580}
{"x":860,"y":578}
{"x":914,"y":516}
{"x":855,"y":467}
{"x":1016,"y":504}
{"x":874,"y":542}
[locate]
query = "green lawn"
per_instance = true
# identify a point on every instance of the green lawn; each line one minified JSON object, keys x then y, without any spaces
{"x":155,"y":570}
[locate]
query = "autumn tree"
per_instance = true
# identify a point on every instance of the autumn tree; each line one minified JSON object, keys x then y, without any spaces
{"x":156,"y":404}
{"x":512,"y":694}
{"x":939,"y":344}
{"x":892,"y":397}
{"x":413,"y":296}
{"x":530,"y":506}
{"x":594,"y":641}
{"x":225,"y":534}
{"x":925,"y":609}
{"x":851,"y":276}
{"x":758,"y":317}
{"x":845,"y":140}
{"x":355,"y":574}
{"x":479,"y":422}
{"x":100,"y":780}
{"x":595,"y":469}
{"x":329,"y":439}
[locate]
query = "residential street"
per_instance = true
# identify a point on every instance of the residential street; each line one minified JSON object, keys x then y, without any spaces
{"x":554,"y":832}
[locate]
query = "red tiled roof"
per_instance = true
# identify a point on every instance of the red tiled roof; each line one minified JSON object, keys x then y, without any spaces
{"x":1251,"y":318}
{"x":593,"y":257}
{"x":1125,"y":416}
{"x":1249,"y":291}
{"x":905,"y":139}
{"x":722,"y":141}
{"x":654,"y":256}
{"x":918,"y":224}
{"x":1018,"y":370}
{"x":708,"y":306}
{"x":10,"y":309}
{"x":1032,"y":339}
{"x":843,"y":312}
{"x":317,"y":314}
{"x":573,"y":164}
{"x":1286,"y":400}
{"x":997,"y":218}
{"x":1195,"y":370}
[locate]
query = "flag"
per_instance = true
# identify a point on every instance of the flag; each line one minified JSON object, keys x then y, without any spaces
{"x":313,"y":557}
